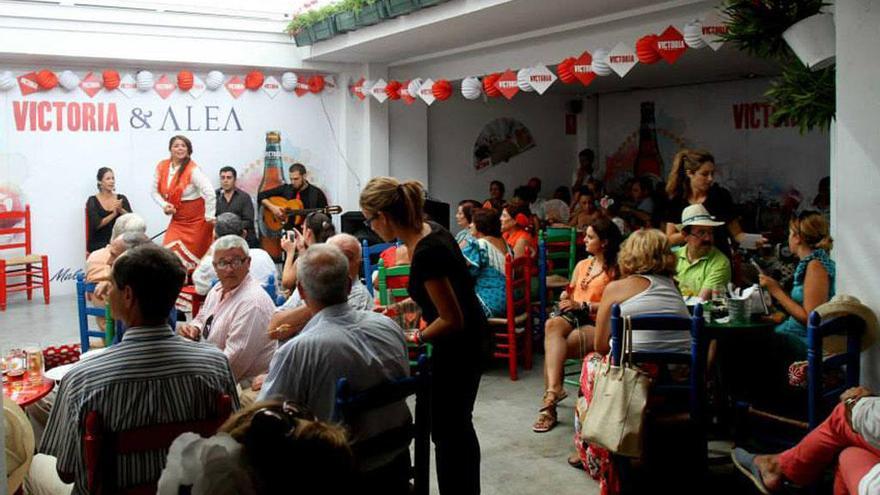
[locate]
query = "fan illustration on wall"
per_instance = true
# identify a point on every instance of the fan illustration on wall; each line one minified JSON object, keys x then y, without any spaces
{"x":499,"y":141}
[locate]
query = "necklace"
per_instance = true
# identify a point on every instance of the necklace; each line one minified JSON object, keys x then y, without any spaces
{"x":590,"y":276}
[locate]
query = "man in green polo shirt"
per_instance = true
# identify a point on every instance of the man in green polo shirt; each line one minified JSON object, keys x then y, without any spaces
{"x":700,"y":266}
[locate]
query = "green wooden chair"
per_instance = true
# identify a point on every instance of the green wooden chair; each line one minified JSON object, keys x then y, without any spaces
{"x":557,"y":248}
{"x":390,"y":295}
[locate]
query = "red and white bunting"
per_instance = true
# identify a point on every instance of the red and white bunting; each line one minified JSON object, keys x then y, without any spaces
{"x":583,"y":69}
{"x":713,"y":26}
{"x":27,"y":83}
{"x":378,"y":91}
{"x":198,"y":88}
{"x":671,"y":45}
{"x":358,"y":89}
{"x":164,"y":86}
{"x":426,"y":92}
{"x":271,"y":86}
{"x":507,"y":84}
{"x":127,"y":85}
{"x":541,"y":78}
{"x":622,"y":58}
{"x":91,"y":84}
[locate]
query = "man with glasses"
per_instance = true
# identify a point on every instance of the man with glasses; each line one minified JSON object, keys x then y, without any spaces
{"x":236,"y":313}
{"x":700,"y":266}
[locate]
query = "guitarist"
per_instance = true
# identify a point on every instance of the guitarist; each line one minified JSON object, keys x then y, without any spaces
{"x":299,"y":188}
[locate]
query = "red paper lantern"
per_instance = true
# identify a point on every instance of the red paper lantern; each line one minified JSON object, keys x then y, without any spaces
{"x":316,"y":83}
{"x":442,"y":89}
{"x":254,"y":80}
{"x":47,"y":79}
{"x":646,"y":49}
{"x":565,"y":70}
{"x":489,"y":87}
{"x":185,"y":80}
{"x":392,"y":89}
{"x":111,"y":79}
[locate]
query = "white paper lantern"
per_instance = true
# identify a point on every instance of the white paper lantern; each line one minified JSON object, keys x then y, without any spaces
{"x":68,"y":80}
{"x":522,"y":80}
{"x":693,"y":35}
{"x":7,"y":81}
{"x":471,"y":88}
{"x":600,"y":62}
{"x":144,"y":80}
{"x":414,"y":86}
{"x":288,"y":81}
{"x":214,"y":80}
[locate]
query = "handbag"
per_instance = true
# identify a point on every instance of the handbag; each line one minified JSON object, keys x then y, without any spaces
{"x":615,"y":416}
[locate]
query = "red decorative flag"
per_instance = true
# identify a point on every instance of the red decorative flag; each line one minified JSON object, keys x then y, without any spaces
{"x":358,"y":89}
{"x":90,"y":84}
{"x":235,"y":86}
{"x":27,"y":83}
{"x":670,"y":44}
{"x":404,"y":93}
{"x":583,"y":69}
{"x":164,"y":86}
{"x":507,"y":84}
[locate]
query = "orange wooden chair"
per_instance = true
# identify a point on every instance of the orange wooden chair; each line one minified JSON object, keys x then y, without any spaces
{"x":102,"y":448}
{"x":33,"y":267}
{"x":513,"y":337}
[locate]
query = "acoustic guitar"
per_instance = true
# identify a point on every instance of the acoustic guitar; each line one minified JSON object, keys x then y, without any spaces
{"x":292,"y":207}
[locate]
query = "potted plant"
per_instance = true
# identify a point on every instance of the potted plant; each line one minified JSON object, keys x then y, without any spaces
{"x":345,"y":18}
{"x":371,"y":12}
{"x":396,"y":8}
{"x":324,"y":28}
{"x":429,"y":3}
{"x":299,"y":28}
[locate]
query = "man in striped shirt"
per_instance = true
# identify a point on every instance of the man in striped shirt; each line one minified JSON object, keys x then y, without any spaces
{"x":151,"y":377}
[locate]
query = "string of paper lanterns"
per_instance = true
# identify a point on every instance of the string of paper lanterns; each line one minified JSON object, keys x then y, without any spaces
{"x":651,"y":48}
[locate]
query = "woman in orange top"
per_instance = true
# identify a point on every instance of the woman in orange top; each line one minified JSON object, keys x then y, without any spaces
{"x":577,"y":308}
{"x":516,"y":230}
{"x":185,"y":193}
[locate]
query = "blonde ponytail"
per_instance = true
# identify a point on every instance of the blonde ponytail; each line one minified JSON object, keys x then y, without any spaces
{"x":813,"y":230}
{"x":403,"y":202}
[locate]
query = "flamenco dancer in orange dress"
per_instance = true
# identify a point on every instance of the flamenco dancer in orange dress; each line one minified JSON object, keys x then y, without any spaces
{"x":185,"y":192}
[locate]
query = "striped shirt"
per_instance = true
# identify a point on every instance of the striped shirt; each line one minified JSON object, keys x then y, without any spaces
{"x":151,"y":377}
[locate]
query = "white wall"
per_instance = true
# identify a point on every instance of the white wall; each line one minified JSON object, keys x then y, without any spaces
{"x":408,"y":141}
{"x":856,"y":163}
{"x":454,"y":125}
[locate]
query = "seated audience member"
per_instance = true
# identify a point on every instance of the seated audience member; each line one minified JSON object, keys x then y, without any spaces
{"x":537,"y":204}
{"x":641,"y":198}
{"x":317,"y":228}
{"x":485,"y":253}
{"x":262,"y":267}
{"x":850,"y":437}
{"x":262,"y":450}
{"x":814,"y":278}
{"x":151,"y":377}
{"x":568,"y":335}
{"x":463,"y":219}
{"x":99,"y":261}
{"x":339,"y":341}
{"x":646,"y":287}
{"x":586,"y":211}
{"x":396,"y":255}
{"x":563,"y":194}
{"x":236,"y":313}
{"x":556,"y":213}
{"x":522,"y":196}
{"x":584,"y":170}
{"x":610,"y":209}
{"x":700,"y":266}
{"x":516,"y":230}
{"x":496,"y":196}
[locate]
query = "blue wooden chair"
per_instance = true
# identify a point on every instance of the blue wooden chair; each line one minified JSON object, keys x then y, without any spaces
{"x":367,"y":253}
{"x":84,"y":311}
{"x":350,"y":404}
{"x":690,"y":396}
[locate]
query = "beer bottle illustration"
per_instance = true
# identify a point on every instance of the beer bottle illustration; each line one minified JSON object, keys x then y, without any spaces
{"x":273,"y":176}
{"x":648,"y":161}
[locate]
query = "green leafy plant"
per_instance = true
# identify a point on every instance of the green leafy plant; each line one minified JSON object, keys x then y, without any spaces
{"x":756,"y":26}
{"x":803,"y":96}
{"x":310,"y":18}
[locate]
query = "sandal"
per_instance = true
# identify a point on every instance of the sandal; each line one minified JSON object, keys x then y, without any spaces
{"x":574,"y":460}
{"x":547,"y":419}
{"x":557,"y":397}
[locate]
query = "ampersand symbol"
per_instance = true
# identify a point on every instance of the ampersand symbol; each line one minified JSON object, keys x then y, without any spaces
{"x":139,"y":118}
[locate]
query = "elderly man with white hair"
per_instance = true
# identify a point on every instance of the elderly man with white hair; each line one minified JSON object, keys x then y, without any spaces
{"x":365,"y":347}
{"x":100,"y":260}
{"x":236,"y":313}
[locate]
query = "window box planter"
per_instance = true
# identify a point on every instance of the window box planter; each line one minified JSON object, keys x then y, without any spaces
{"x":396,"y":8}
{"x":429,"y":3}
{"x":371,"y":14}
{"x":323,"y":30}
{"x":303,"y":37}
{"x":345,"y":22}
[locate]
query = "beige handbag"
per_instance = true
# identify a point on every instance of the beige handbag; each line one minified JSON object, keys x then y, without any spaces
{"x":615,"y":416}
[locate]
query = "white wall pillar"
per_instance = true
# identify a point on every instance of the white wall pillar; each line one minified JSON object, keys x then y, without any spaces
{"x":408,"y":140}
{"x":855,"y":161}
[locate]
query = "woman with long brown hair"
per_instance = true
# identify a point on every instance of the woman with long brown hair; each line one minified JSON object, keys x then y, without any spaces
{"x":692,"y":181}
{"x":440,"y":283}
{"x":185,"y":193}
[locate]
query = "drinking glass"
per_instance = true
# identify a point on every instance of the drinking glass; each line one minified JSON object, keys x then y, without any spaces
{"x":15,"y":362}
{"x":34,"y":363}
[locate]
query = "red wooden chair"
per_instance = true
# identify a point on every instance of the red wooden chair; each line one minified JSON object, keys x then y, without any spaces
{"x":33,"y":267}
{"x":515,"y":329}
{"x":102,"y":448}
{"x":188,"y":294}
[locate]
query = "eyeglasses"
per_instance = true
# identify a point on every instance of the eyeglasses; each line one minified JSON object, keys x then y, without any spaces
{"x":701,"y":234}
{"x":368,"y":222}
{"x":234,"y":263}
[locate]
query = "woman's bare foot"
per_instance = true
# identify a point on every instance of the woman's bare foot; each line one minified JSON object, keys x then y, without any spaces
{"x":771,"y":472}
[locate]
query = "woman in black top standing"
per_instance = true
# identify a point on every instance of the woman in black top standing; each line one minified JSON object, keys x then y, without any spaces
{"x":440,"y":283}
{"x":103,"y":209}
{"x":692,"y":181}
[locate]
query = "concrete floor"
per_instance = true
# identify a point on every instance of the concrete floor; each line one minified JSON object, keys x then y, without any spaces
{"x":515,"y":460}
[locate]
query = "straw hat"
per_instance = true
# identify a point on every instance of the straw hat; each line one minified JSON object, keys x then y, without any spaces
{"x":697,"y":215}
{"x":19,"y":444}
{"x":842,"y":305}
